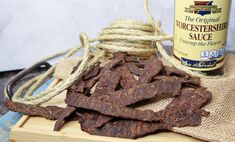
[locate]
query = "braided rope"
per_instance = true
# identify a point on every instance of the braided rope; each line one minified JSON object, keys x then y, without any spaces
{"x":123,"y":35}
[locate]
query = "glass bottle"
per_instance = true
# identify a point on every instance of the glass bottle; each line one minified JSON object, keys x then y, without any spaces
{"x":200,"y":33}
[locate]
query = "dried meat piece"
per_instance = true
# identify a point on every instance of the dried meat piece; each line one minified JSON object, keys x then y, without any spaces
{"x":70,"y":96}
{"x":49,"y":112}
{"x":92,"y":72}
{"x":172,"y":71}
{"x":53,"y":112}
{"x":135,"y":69}
{"x":170,"y":86}
{"x":92,"y":103}
{"x":186,"y":81}
{"x":151,"y":69}
{"x":185,"y":110}
{"x":117,"y":59}
{"x":77,"y":87}
{"x":197,"y":97}
{"x":142,"y":63}
{"x":192,"y":81}
{"x":127,"y":79}
{"x":142,"y":92}
{"x":145,"y":91}
{"x":108,"y":82}
{"x":91,"y":82}
{"x":87,"y":81}
{"x":68,"y":111}
{"x":122,"y":128}
{"x":74,"y":117}
{"x":139,"y":93}
{"x":103,"y":87}
{"x":133,"y":95}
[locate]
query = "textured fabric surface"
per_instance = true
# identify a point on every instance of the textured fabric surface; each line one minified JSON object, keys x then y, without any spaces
{"x":220,"y":125}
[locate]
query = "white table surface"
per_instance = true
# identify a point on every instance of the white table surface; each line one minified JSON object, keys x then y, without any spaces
{"x":33,"y":29}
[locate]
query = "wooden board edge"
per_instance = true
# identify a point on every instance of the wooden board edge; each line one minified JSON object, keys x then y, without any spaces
{"x":23,"y":135}
{"x":22,"y":121}
{"x":29,"y":135}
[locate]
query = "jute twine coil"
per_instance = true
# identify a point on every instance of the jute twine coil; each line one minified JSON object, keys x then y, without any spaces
{"x":123,"y":35}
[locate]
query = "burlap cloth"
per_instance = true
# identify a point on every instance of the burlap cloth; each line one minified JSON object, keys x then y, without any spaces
{"x":220,"y":125}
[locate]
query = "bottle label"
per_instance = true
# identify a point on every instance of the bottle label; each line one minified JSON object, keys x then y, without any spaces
{"x":200,"y":33}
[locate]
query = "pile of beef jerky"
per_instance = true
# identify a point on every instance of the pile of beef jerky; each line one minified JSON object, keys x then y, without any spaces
{"x":120,"y":85}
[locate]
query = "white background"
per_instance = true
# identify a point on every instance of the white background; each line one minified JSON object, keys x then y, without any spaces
{"x":33,"y":29}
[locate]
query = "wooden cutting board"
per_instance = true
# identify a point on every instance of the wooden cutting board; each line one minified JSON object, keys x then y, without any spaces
{"x":38,"y":129}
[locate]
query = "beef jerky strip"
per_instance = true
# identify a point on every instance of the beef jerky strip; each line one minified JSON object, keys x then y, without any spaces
{"x":70,"y":96}
{"x":117,"y":59}
{"x":172,"y":71}
{"x":151,"y":69}
{"x":126,"y":97}
{"x":121,"y":128}
{"x":109,"y":109}
{"x":92,"y":72}
{"x":191,"y":80}
{"x":49,"y":112}
{"x":77,"y":87}
{"x":108,"y":82}
{"x":139,"y":93}
{"x":90,"y":79}
{"x":142,"y":92}
{"x":185,"y":110}
{"x":74,"y":117}
{"x":69,"y":113}
{"x":145,"y":91}
{"x":127,"y":79}
{"x":142,"y":63}
{"x":64,"y":114}
{"x":135,"y":69}
{"x":171,"y":86}
{"x":91,"y":82}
